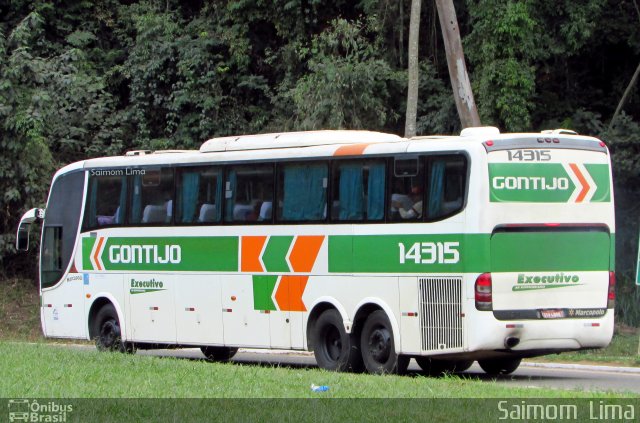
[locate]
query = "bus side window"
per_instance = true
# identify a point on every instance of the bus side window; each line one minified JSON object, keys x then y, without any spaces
{"x":302,"y":192}
{"x":246,"y":190}
{"x":199,"y":193}
{"x":358,"y":190}
{"x":152,"y":197}
{"x":106,"y":201}
{"x":446,"y":185}
{"x":407,"y":191}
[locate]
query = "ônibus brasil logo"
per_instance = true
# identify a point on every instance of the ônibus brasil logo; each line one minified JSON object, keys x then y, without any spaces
{"x":549,"y":182}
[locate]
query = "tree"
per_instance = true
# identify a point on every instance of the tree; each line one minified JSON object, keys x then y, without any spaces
{"x":413,"y":80}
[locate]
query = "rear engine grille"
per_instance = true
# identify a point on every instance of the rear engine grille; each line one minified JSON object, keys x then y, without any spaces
{"x":441,"y":313}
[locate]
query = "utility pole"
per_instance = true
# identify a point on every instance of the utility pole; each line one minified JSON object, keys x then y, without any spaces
{"x":462,"y":92}
{"x":413,"y":71}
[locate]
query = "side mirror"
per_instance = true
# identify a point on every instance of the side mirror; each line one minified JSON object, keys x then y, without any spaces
{"x":22,"y":237}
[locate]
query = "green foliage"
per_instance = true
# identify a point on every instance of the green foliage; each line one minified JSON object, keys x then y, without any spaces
{"x":348,"y":85}
{"x":501,"y":48}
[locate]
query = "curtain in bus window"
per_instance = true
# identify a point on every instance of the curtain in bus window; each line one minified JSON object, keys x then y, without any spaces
{"x":230,"y":194}
{"x":351,"y":192}
{"x":136,"y":199}
{"x":375,"y":192}
{"x":436,"y":187}
{"x":304,"y":192}
{"x":189,"y":196}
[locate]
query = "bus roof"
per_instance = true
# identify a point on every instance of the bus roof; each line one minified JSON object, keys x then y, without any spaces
{"x":295,"y":139}
{"x":327,"y":143}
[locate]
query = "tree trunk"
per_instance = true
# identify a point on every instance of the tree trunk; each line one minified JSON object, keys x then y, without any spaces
{"x":462,"y":92}
{"x":623,"y":100}
{"x":413,"y":71}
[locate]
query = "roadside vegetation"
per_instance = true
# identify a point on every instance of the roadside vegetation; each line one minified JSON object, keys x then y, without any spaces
{"x":43,"y":371}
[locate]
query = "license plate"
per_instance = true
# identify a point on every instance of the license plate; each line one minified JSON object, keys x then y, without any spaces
{"x":552,"y":314}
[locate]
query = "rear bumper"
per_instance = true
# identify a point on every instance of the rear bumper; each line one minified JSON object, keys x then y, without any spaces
{"x":536,"y":337}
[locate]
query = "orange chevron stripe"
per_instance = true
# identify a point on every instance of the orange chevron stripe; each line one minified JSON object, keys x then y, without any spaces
{"x":304,"y":252}
{"x":583,"y":182}
{"x":351,"y":150}
{"x":96,"y":255}
{"x":289,"y":293}
{"x":251,"y":248}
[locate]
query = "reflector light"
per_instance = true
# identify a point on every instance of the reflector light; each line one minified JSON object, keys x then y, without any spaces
{"x":611,"y":294}
{"x":602,"y":144}
{"x":489,"y":143}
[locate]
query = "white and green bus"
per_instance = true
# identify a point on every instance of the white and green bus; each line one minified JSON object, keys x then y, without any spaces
{"x":366,"y":248}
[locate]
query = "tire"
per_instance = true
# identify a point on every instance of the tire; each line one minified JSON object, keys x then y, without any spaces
{"x":334,"y":348}
{"x":434,"y":367}
{"x":107,"y":331}
{"x":219,"y":354}
{"x":378,"y":348}
{"x":500,"y":366}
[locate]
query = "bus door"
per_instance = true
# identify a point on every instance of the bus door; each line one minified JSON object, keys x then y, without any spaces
{"x":62,"y":293}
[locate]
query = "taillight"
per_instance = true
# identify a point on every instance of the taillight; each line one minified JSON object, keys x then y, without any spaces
{"x":484,"y":298}
{"x":611,"y":294}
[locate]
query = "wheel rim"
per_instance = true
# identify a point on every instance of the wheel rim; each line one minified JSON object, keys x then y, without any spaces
{"x":332,"y":343}
{"x":379,"y":344}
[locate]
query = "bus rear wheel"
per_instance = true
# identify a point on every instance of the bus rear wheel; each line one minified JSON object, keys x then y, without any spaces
{"x":378,"y":349}
{"x":334,"y":348}
{"x":218,"y":353}
{"x":107,"y":331}
{"x":435,"y":367}
{"x":500,"y":366}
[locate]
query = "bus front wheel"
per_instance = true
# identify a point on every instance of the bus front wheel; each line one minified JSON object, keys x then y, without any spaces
{"x":334,"y":348}
{"x":218,"y":353}
{"x":107,"y":331}
{"x":500,"y":366}
{"x":378,"y":348}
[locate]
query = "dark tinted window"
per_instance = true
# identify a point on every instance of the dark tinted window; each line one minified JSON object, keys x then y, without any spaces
{"x":248,"y":194}
{"x":446,"y":185}
{"x":199,"y":195}
{"x":152,"y":197}
{"x":407,"y":191}
{"x":358,"y":190}
{"x":60,"y":228}
{"x":302,"y":192}
{"x":106,"y":199}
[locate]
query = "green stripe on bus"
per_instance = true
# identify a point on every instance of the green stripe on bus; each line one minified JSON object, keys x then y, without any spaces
{"x":476,"y":253}
{"x":438,"y":253}
{"x":530,"y":182}
{"x":550,"y":251}
{"x":275,"y":254}
{"x":171,"y":253}
{"x":263,"y":286}
{"x":600,"y":175}
{"x":87,"y":246}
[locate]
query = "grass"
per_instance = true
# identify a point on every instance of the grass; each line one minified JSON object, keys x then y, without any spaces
{"x":19,"y":310}
{"x":119,"y":386}
{"x":41,"y":370}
